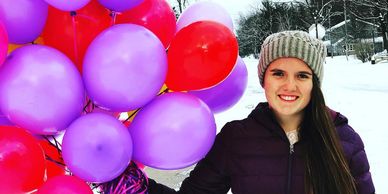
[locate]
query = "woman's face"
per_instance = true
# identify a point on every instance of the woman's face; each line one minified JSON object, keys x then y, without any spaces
{"x":288,"y":84}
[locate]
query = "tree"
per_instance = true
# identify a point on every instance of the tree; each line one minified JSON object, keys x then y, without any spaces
{"x":372,"y":11}
{"x":269,"y":18}
{"x":179,"y":6}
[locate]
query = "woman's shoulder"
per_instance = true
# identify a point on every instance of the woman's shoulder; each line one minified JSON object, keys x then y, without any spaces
{"x":350,"y":139}
{"x":259,"y":123}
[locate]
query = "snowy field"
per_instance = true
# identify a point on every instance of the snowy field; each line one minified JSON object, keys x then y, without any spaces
{"x":357,"y":90}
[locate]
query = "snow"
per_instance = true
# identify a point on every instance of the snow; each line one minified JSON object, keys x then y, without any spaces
{"x":357,"y":90}
{"x":337,"y":25}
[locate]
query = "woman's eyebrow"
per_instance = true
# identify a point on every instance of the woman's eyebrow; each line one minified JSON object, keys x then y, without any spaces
{"x":275,"y":69}
{"x":305,"y":72}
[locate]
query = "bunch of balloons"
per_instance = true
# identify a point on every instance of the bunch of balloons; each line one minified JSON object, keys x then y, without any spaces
{"x":71,"y":68}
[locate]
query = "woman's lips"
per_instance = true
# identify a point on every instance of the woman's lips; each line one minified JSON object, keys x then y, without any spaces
{"x":288,"y":98}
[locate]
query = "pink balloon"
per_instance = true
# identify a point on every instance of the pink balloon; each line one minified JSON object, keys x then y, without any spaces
{"x":3,"y":43}
{"x":124,"y":67}
{"x":40,"y":89}
{"x":174,"y":131}
{"x":68,"y":5}
{"x":205,"y":10}
{"x":65,"y":185}
{"x":23,"y":19}
{"x":97,"y":147}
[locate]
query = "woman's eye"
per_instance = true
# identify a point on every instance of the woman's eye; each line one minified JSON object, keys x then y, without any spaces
{"x":303,"y":76}
{"x":278,"y":74}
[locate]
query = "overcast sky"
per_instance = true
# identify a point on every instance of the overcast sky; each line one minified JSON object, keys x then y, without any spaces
{"x":234,"y":7}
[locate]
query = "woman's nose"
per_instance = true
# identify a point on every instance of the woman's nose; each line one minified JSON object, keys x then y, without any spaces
{"x":289,"y":84}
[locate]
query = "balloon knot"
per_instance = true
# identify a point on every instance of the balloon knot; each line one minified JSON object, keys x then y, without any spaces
{"x":73,"y":13}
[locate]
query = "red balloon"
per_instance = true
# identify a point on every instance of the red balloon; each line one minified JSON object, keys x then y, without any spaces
{"x":73,"y":37}
{"x":201,"y":55}
{"x":155,"y":15}
{"x":65,"y":185}
{"x":22,"y":162}
{"x":52,"y":168}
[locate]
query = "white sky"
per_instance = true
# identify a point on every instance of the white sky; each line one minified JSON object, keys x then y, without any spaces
{"x":234,"y":7}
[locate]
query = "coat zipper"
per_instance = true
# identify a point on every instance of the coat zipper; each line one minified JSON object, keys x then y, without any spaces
{"x":290,"y":156}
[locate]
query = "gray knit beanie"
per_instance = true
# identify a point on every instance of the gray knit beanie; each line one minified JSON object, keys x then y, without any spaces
{"x":298,"y":44}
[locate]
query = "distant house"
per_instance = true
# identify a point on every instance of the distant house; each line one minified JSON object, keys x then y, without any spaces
{"x":335,"y":39}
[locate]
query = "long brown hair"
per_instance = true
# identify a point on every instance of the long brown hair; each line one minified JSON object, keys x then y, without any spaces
{"x":326,"y":169}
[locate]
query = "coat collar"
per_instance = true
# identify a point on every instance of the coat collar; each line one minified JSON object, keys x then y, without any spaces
{"x":263,"y":115}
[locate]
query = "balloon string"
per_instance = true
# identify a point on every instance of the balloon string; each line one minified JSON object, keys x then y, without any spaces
{"x":130,"y":116}
{"x":113,"y":15}
{"x":88,"y":18}
{"x":164,"y":91}
{"x":56,"y":144}
{"x":56,"y":162}
{"x":87,"y":109}
{"x":73,"y":14}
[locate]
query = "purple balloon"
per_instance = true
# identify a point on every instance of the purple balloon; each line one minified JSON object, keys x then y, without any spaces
{"x":40,"y":89}
{"x":173,"y":131}
{"x":120,"y":5}
{"x":4,"y":121}
{"x":68,"y":5}
{"x":227,"y":93}
{"x":204,"y":10}
{"x":23,"y":19}
{"x":3,"y":43}
{"x":124,"y":67}
{"x":97,"y":147}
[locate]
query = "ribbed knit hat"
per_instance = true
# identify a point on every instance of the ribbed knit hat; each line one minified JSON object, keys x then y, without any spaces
{"x":298,"y":44}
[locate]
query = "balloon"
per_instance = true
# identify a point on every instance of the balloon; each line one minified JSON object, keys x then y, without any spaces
{"x":97,"y":147}
{"x":155,"y":15}
{"x":23,"y":19}
{"x":205,"y":10}
{"x":52,"y":168}
{"x":22,"y":164}
{"x":173,"y":131}
{"x":227,"y":93}
{"x":89,"y":107}
{"x":65,"y":184}
{"x":200,"y":56}
{"x":40,"y":89}
{"x":120,"y":5}
{"x":3,"y":43}
{"x":4,"y":121}
{"x":67,"y":5}
{"x":73,"y":34}
{"x":124,"y":67}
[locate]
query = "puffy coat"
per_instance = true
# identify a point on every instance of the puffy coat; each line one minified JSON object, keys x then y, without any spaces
{"x":253,"y":155}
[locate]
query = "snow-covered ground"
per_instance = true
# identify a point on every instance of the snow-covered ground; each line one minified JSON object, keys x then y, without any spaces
{"x":357,"y":90}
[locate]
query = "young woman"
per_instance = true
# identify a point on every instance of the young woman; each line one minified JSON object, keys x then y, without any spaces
{"x":293,"y":143}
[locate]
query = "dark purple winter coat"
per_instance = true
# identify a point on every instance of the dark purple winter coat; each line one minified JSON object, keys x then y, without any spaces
{"x":253,"y":156}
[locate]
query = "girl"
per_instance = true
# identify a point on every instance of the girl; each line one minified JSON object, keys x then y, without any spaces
{"x":293,"y":143}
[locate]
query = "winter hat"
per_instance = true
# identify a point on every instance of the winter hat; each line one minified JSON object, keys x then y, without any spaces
{"x":298,"y":44}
